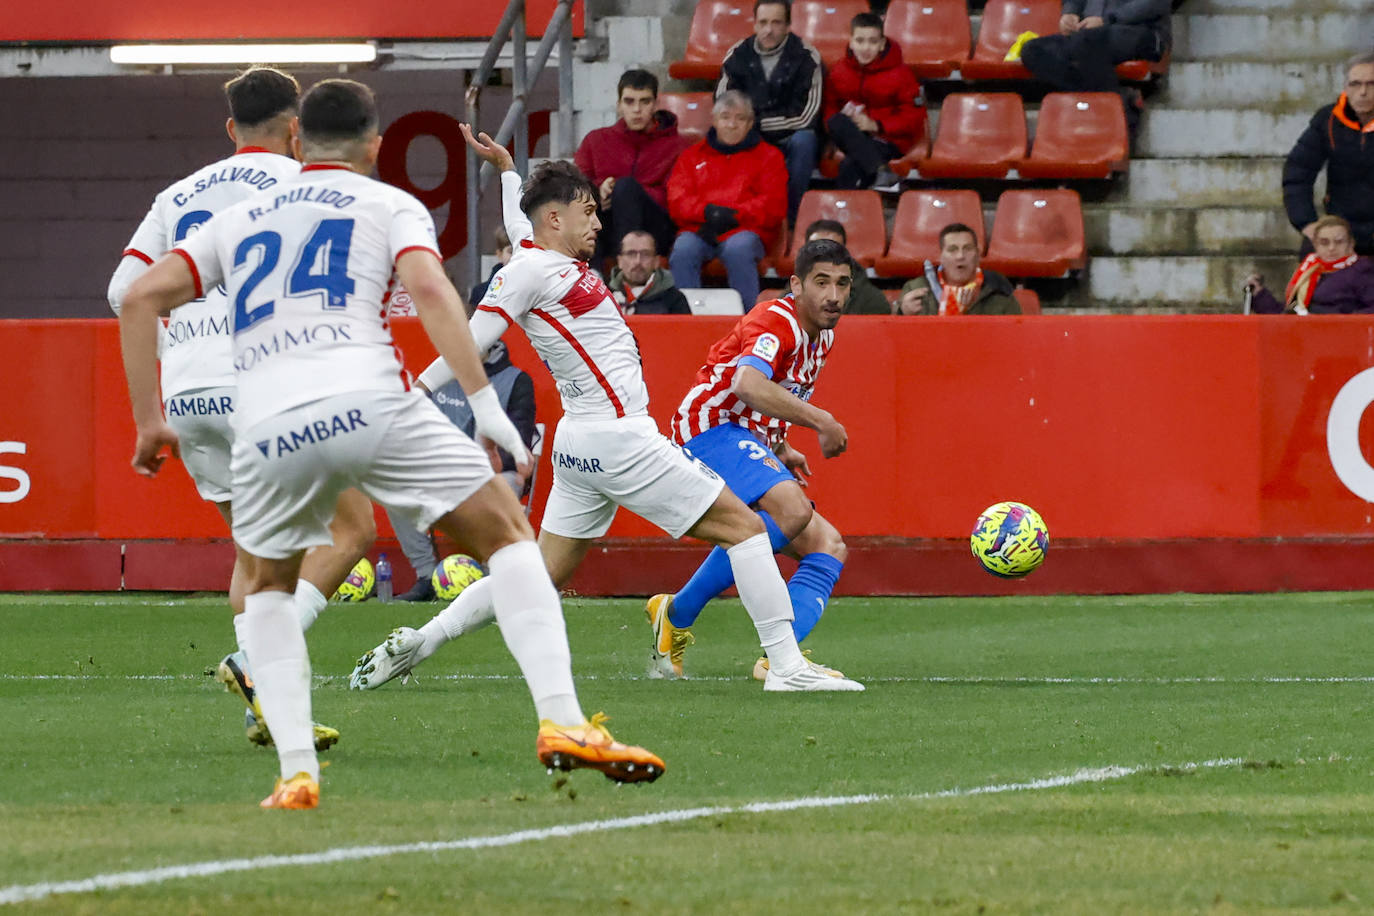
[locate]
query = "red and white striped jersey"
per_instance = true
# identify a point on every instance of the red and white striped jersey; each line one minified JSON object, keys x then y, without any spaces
{"x":769,"y":332}
{"x":575,"y":326}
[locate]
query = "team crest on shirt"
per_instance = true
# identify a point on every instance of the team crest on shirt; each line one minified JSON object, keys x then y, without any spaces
{"x":766,"y":347}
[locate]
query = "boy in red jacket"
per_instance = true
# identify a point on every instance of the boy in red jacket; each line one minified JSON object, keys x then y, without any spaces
{"x":871,"y":104}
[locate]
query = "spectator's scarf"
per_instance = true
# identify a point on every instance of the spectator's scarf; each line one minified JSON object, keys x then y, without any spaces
{"x":1298,"y":295}
{"x":949,"y":295}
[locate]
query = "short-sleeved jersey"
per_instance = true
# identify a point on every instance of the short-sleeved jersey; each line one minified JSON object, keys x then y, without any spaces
{"x":307,"y":267}
{"x":575,"y":326}
{"x":196,"y":345}
{"x":770,"y":333}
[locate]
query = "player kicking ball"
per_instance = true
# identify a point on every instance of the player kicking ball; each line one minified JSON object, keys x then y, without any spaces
{"x":198,"y":363}
{"x":757,"y":383}
{"x":607,"y":450}
{"x":325,"y":404}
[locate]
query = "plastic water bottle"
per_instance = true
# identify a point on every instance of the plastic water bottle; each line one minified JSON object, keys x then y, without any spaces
{"x":383,"y":578}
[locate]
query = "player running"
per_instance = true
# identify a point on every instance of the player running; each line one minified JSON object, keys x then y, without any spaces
{"x":757,"y":383}
{"x":607,"y":450}
{"x":325,"y":404}
{"x":197,"y":358}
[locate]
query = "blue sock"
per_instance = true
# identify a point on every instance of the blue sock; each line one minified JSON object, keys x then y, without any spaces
{"x":810,"y":588}
{"x":714,"y":576}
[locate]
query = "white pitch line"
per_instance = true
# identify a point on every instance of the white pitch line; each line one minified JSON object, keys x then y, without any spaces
{"x":974,"y":680}
{"x":22,"y":893}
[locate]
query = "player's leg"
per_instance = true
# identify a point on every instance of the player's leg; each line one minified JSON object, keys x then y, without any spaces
{"x":352,"y":531}
{"x":821,"y":553}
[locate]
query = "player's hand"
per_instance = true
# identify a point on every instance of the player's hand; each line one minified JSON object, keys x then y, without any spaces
{"x":834,"y":440}
{"x":605,"y":190}
{"x":795,"y":462}
{"x":1092,"y":22}
{"x":489,"y":149}
{"x":148,"y":446}
{"x":1068,"y":23}
{"x":490,"y":422}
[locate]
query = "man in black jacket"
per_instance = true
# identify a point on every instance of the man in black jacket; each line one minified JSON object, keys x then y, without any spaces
{"x":1340,"y":138}
{"x":782,"y":75}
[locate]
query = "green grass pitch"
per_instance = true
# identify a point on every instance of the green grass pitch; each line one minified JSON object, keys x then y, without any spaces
{"x":122,"y":755}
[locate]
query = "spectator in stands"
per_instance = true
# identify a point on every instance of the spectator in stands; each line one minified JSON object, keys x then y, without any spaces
{"x":640,"y":286}
{"x":1094,"y":36}
{"x":958,"y":286}
{"x":728,"y":192}
{"x":503,"y":253}
{"x":864,"y":297}
{"x":1341,"y":138}
{"x":872,"y":109}
{"x":781,"y":74}
{"x":630,"y":161}
{"x":1333,"y":280}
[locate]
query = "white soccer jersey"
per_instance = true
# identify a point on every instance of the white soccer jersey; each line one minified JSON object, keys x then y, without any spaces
{"x":574,"y":325}
{"x":307,"y":267}
{"x":196,"y":344}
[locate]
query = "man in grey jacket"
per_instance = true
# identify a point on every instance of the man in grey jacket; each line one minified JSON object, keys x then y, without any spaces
{"x":1094,"y":36}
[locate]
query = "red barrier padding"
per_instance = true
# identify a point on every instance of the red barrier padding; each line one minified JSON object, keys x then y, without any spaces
{"x":60,"y":566}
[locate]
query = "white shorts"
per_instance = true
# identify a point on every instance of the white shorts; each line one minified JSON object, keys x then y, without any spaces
{"x":202,"y":420}
{"x":394,"y":446}
{"x":601,"y":464}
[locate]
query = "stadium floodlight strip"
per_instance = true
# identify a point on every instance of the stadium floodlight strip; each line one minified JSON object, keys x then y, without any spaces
{"x":162,"y":54}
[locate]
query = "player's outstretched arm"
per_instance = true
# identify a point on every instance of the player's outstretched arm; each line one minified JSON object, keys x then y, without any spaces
{"x":167,"y":284}
{"x":518,"y":225}
{"x":769,"y":398}
{"x":441,"y":312}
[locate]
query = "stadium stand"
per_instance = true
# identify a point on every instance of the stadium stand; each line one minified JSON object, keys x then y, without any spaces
{"x":1037,"y":233}
{"x":717,"y":25}
{"x":712,"y":301}
{"x":862,"y":215}
{"x":824,"y":24}
{"x":1003,"y":21}
{"x":1078,"y":135}
{"x":693,"y":110}
{"x":980,"y":135}
{"x":1028,"y":299}
{"x":935,"y":35}
{"x":921,"y":214}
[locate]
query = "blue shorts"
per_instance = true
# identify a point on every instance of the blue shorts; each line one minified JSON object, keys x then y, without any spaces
{"x":748,"y":467}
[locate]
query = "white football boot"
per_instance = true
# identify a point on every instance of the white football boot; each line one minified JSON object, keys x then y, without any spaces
{"x":392,"y":659}
{"x":809,"y":677}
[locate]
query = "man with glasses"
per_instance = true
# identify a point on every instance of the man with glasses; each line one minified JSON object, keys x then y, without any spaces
{"x":639,"y":285}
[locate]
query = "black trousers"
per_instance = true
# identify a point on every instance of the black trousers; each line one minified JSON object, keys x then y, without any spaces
{"x":1085,"y":61}
{"x":864,"y":153}
{"x":633,"y":209}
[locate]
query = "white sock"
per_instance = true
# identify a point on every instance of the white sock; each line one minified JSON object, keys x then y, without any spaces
{"x":471,"y":610}
{"x":239,"y":632}
{"x":531,"y":620}
{"x":765,"y":597}
{"x":309,"y":602}
{"x":281,"y":676}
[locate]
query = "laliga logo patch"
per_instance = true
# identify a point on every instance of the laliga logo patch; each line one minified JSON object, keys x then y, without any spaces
{"x":494,"y":288}
{"x":766,"y":347}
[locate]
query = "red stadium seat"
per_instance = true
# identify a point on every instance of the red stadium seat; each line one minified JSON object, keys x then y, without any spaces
{"x":775,"y":253}
{"x":1037,"y":234}
{"x":717,"y":26}
{"x":1003,"y":21}
{"x":916,"y":228}
{"x":825,"y":24}
{"x":981,"y":135}
{"x":1140,"y":71}
{"x":861,"y":214}
{"x":1078,"y":135}
{"x":934,"y":35}
{"x":913,"y":159}
{"x":693,"y":110}
{"x":1028,"y":299}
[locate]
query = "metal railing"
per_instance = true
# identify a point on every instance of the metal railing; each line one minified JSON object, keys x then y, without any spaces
{"x":514,"y":127}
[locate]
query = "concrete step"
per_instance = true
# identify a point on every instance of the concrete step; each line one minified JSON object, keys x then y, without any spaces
{"x":1197,"y":7}
{"x":1170,"y":284}
{"x":1165,"y":230}
{"x":1276,"y":36}
{"x":1193,"y":182}
{"x":1301,"y":85}
{"x":1202,"y":133}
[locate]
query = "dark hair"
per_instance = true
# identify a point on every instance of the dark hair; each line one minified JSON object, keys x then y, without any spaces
{"x":636,"y":79}
{"x":866,"y":20}
{"x":954,"y":228}
{"x":827,"y":225}
{"x":500,"y":237}
{"x":555,"y":181}
{"x":785,"y":4}
{"x":822,"y":251}
{"x":335,"y":109}
{"x":259,"y":94}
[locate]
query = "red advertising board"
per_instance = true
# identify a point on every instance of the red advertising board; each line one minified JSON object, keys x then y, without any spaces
{"x":1113,"y":427}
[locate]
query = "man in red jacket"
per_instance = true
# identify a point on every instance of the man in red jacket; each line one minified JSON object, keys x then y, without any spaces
{"x":871,"y":104}
{"x":629,"y":162}
{"x":728,"y":192}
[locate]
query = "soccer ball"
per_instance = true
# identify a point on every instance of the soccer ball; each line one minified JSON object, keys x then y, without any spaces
{"x":454,"y":574}
{"x":1010,"y":540}
{"x":358,"y":585}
